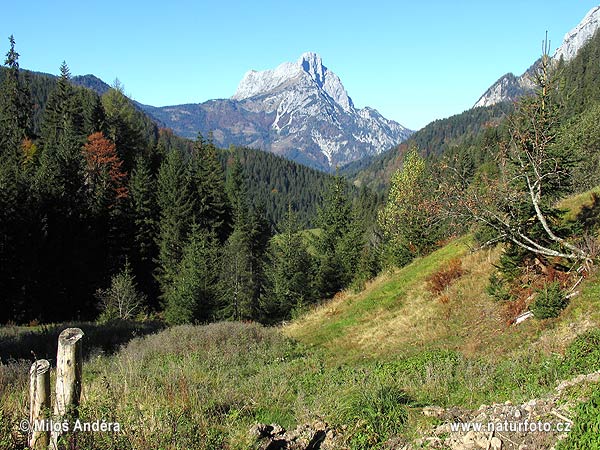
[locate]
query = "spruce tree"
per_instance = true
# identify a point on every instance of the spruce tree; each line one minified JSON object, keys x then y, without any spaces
{"x":238,"y":280}
{"x":62,"y":113}
{"x":175,"y":208}
{"x":192,"y":296}
{"x":123,"y":124}
{"x":211,"y":203}
{"x":15,"y":108}
{"x":15,"y":207}
{"x":336,"y":243}
{"x":287,"y":276}
{"x":143,"y":207}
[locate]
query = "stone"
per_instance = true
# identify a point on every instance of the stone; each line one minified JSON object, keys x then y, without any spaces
{"x":495,"y":443}
{"x":469,"y":438}
{"x":433,"y":411}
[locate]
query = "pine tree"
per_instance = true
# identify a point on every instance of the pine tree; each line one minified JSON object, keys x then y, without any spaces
{"x":238,"y":277}
{"x":15,"y":108}
{"x":142,"y":198}
{"x":211,"y":204}
{"x":123,"y":124}
{"x":336,"y":244}
{"x":62,"y":113}
{"x":237,"y":190}
{"x":236,"y":284}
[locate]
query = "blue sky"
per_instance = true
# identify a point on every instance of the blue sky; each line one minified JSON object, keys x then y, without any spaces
{"x":414,"y":61}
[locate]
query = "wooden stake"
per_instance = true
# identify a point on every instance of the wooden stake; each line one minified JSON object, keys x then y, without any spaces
{"x":39,"y":404}
{"x":69,"y":364}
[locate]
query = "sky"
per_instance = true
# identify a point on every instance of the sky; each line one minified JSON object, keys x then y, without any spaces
{"x":413,"y":61}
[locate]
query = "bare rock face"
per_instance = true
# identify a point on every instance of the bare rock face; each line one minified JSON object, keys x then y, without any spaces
{"x":510,"y":87}
{"x":299,"y":110}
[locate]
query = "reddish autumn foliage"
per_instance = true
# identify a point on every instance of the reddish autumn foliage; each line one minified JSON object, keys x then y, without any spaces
{"x":104,"y":167}
{"x":440,"y":280}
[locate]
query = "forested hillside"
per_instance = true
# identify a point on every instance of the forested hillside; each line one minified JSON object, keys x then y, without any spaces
{"x":99,"y":204}
{"x":437,"y":138}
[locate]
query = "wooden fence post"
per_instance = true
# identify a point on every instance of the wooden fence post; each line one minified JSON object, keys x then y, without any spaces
{"x":69,"y":364}
{"x":39,"y":404}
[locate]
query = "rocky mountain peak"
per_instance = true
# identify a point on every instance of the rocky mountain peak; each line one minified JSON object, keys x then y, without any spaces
{"x":299,"y":109}
{"x":579,"y":36}
{"x":510,"y":87}
{"x":308,"y":70}
{"x":312,"y":64}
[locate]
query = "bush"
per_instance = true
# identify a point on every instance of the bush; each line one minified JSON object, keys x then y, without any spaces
{"x":497,"y":289}
{"x":549,"y":302}
{"x":439,"y":281}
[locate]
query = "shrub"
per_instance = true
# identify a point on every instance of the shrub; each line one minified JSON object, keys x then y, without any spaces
{"x":584,"y":434}
{"x":439,"y":281}
{"x":583,"y":354}
{"x":497,"y":289}
{"x":121,"y":300}
{"x":549,"y":302}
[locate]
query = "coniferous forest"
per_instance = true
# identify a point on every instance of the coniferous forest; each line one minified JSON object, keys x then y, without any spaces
{"x":370,"y":308}
{"x":100,"y":204}
{"x":106,"y":215}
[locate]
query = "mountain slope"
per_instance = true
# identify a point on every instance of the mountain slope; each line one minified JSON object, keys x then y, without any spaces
{"x":510,"y":87}
{"x":299,"y":110}
{"x":435,"y":139}
{"x":398,"y":316}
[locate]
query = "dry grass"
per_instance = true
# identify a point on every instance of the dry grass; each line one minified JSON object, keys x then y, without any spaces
{"x":397,"y":315}
{"x":575,"y":203}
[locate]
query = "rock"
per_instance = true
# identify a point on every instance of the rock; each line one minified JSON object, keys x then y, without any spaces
{"x":313,"y":436}
{"x":433,"y":411}
{"x":495,"y":443}
{"x":517,"y":414}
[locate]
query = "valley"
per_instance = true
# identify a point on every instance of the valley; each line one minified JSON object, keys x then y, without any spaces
{"x":282,"y":269}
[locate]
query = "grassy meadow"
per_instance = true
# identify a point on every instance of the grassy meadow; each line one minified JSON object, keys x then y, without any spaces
{"x":365,"y":363}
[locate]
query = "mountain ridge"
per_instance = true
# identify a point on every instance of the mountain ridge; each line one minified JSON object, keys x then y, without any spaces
{"x":509,"y":87}
{"x":299,"y":110}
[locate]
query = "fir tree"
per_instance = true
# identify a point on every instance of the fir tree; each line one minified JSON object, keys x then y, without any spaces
{"x":211,"y":204}
{"x":15,"y":109}
{"x":62,"y":113}
{"x":336,"y":244}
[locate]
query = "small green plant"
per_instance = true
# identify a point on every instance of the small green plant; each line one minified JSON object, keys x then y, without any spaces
{"x":583,"y":354}
{"x":549,"y":302}
{"x":586,"y":427}
{"x":497,"y":289}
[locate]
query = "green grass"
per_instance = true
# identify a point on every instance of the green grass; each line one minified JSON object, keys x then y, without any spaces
{"x":332,"y":322}
{"x":574,"y":203}
{"x":203,"y":387}
{"x":364,"y":362}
